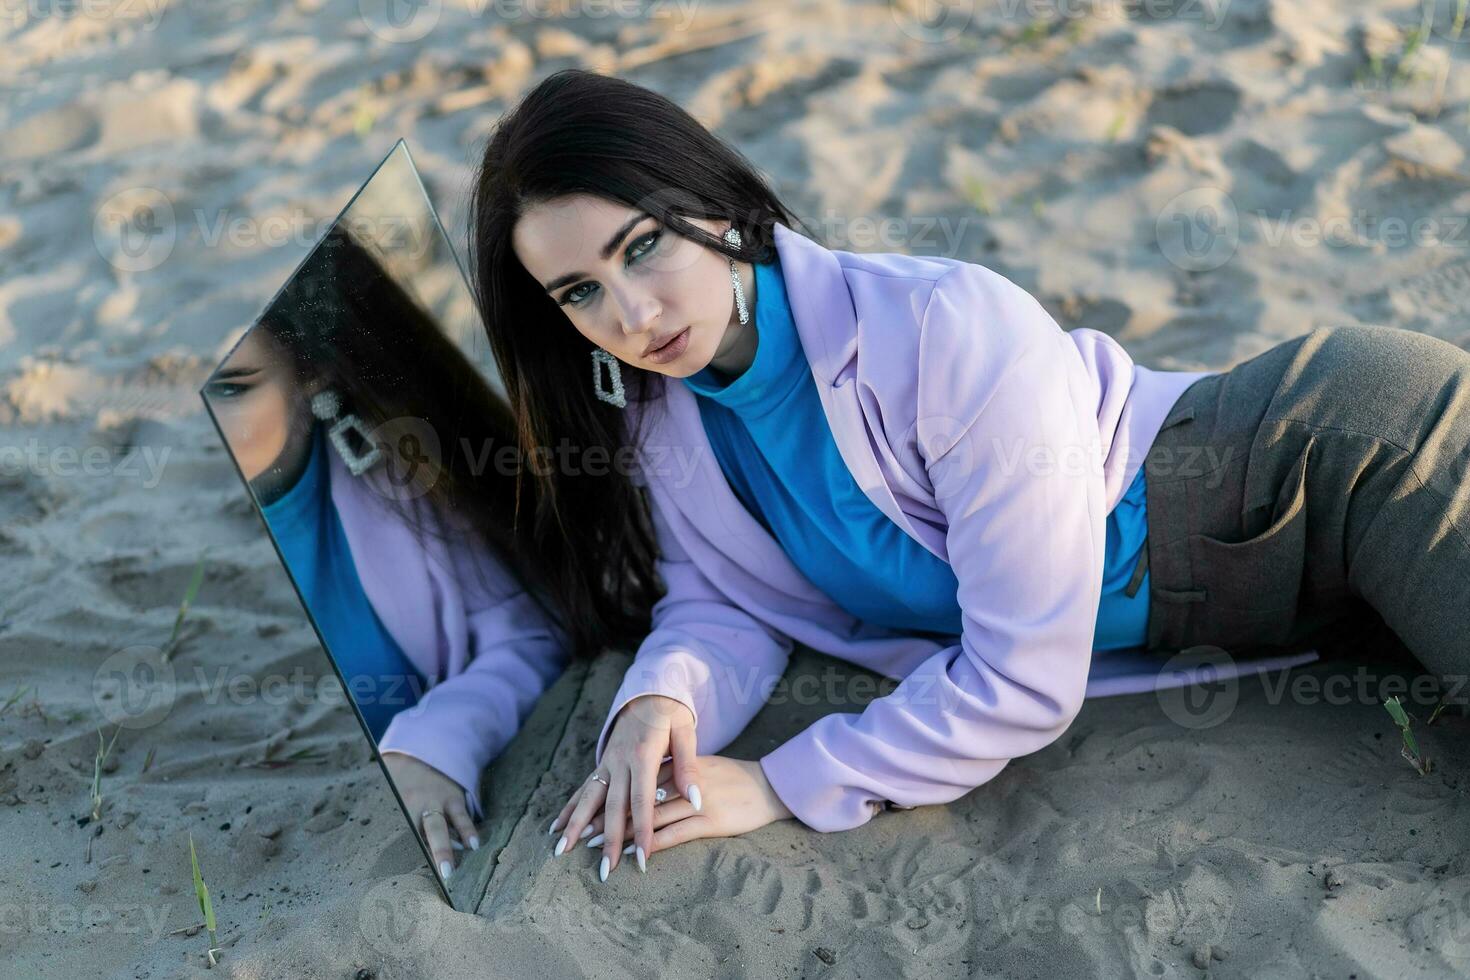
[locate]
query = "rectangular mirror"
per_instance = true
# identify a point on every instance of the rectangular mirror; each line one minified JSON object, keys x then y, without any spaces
{"x":361,"y":409}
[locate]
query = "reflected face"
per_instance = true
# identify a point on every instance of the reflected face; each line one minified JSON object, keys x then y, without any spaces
{"x":629,"y":284}
{"x":259,"y":408}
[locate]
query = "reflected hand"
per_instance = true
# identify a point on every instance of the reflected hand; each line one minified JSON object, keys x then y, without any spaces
{"x":425,"y":788}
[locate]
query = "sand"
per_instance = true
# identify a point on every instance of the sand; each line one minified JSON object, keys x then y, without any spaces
{"x":1288,"y":839}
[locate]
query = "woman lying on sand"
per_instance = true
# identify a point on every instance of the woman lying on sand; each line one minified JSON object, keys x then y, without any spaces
{"x":905,"y":462}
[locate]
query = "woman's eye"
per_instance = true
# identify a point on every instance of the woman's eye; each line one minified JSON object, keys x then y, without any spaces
{"x":224,"y":389}
{"x":637,"y":250}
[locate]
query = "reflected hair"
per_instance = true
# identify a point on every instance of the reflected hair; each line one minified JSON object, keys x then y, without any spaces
{"x":580,"y":132}
{"x":346,"y":322}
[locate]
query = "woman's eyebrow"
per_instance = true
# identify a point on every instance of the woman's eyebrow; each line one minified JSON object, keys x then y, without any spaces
{"x":604,"y":254}
{"x":238,"y":372}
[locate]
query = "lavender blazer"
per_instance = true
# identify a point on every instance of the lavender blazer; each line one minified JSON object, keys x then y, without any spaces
{"x":487,"y":649}
{"x":998,"y":441}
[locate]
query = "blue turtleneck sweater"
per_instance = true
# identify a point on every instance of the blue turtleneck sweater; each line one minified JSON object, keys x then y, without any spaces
{"x":770,"y":435}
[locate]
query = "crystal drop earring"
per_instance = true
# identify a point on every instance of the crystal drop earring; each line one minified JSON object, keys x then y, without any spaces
{"x":326,"y":405}
{"x":615,"y":374}
{"x":733,"y":237}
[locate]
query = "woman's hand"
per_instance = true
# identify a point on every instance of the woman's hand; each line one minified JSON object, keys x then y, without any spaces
{"x":737,"y":799}
{"x":425,"y":788}
{"x":647,"y":729}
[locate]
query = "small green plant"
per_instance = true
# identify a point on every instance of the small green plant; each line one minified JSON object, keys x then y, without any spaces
{"x":189,"y":595}
{"x":102,"y":754}
{"x":206,"y":907}
{"x":975,"y":191}
{"x":1034,"y":33}
{"x":1411,"y":746}
{"x":19,"y":693}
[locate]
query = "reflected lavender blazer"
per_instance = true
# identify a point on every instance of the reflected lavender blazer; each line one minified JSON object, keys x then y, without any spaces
{"x":998,"y":441}
{"x":487,"y":650}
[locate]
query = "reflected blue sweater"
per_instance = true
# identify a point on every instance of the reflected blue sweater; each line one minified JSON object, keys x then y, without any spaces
{"x":380,"y":679}
{"x":770,"y":435}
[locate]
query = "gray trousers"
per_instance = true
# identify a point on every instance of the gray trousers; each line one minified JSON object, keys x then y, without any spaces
{"x":1322,"y":479}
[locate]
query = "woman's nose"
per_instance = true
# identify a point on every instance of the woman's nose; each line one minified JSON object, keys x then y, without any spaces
{"x":639,"y":312}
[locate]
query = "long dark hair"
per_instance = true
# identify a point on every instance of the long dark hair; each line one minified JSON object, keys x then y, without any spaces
{"x":579,"y":132}
{"x":346,"y":322}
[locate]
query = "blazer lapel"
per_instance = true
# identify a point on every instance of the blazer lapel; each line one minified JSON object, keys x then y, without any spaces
{"x":827,"y":324}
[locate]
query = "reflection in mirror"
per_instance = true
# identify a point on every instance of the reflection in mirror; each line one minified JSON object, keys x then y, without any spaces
{"x":362,"y":410}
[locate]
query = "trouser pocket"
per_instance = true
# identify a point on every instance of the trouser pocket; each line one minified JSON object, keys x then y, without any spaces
{"x":1253,"y":586}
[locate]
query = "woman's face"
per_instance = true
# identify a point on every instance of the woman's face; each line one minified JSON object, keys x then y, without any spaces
{"x":629,"y":284}
{"x":259,"y":410}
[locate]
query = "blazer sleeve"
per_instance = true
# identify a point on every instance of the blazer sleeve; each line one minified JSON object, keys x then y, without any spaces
{"x":464,"y":722}
{"x":703,"y":651}
{"x":1003,"y":429}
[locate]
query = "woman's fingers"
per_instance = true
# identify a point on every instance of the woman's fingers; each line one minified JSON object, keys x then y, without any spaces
{"x":643,"y":790}
{"x":663,"y":815}
{"x":617,"y":801}
{"x":436,"y":832}
{"x":588,"y":803}
{"x":666,"y":791}
{"x":463,"y":825}
{"x":682,"y":744}
{"x":566,"y":811}
{"x":676,"y":832}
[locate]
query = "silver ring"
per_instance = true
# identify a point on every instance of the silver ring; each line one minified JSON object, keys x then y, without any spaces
{"x":425,"y":814}
{"x":660,"y":794}
{"x":600,"y":780}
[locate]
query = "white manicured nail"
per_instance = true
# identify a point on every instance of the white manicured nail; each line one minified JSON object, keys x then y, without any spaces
{"x":597,"y":841}
{"x":474,"y":843}
{"x":642,"y":861}
{"x":694,"y":797}
{"x":602,"y":869}
{"x":554,"y":824}
{"x":561,"y":845}
{"x":629,"y":848}
{"x":444,"y":869}
{"x":585,"y":831}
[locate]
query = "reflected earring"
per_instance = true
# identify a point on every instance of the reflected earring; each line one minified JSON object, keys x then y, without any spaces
{"x":325,"y":405}
{"x":733,"y":237}
{"x":614,"y":371}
